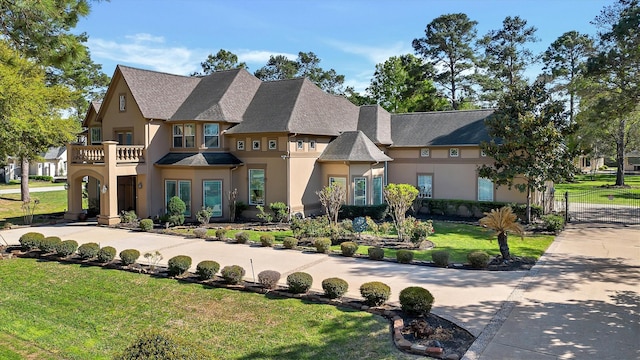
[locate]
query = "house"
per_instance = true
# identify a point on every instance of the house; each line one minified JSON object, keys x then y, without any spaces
{"x":51,"y":163}
{"x":632,"y":162}
{"x":157,"y":135}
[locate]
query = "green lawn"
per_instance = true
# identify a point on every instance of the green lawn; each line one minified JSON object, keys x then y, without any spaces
{"x":50,"y":202}
{"x":62,"y":311}
{"x":32,"y":184}
{"x":586,"y":183}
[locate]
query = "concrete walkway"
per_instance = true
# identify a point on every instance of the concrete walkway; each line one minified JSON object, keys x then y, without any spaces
{"x":33,"y":189}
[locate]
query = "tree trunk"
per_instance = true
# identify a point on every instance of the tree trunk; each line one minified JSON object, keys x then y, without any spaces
{"x":620,"y":154}
{"x":24,"y":180}
{"x":504,"y":246}
{"x":528,"y":210}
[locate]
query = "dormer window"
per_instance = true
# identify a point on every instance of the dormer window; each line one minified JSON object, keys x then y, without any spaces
{"x":123,"y":102}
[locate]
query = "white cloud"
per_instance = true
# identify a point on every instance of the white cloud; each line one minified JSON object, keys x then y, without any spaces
{"x":375,"y":54}
{"x":259,"y":56}
{"x":145,"y":37}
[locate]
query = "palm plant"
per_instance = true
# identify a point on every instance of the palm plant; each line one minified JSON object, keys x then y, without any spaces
{"x":502,"y":221}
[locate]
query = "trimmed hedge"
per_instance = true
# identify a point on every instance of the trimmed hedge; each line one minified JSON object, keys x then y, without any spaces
{"x":179,"y":264}
{"x":31,"y":240}
{"x":160,"y":346}
{"x":334,"y":287}
{"x":322,"y":245}
{"x":299,"y":282}
{"x":66,"y":248}
{"x":475,"y":209}
{"x":221,"y":234}
{"x":440,"y":258}
{"x":146,"y":225}
{"x":375,"y":293}
{"x":129,"y":256}
{"x":404,"y":256}
{"x":478,"y":259}
{"x":232,"y":274}
{"x":267,"y":240}
{"x":49,"y":244}
{"x":207,"y":269}
{"x":376,"y":212}
{"x":242,"y":237}
{"x":348,"y":248}
{"x":375,"y":253}
{"x":269,"y":279}
{"x":88,"y":250}
{"x":416,"y":300}
{"x":290,"y":242}
{"x":106,"y":254}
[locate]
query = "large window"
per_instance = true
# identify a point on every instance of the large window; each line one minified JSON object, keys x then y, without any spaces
{"x":256,"y":186}
{"x":212,"y":196}
{"x":485,"y":189}
{"x":425,"y":186}
{"x":184,"y":135}
{"x":211,"y":135}
{"x":377,"y":190}
{"x":181,"y":189}
{"x":96,"y":136}
{"x":124,"y":137}
{"x":360,"y":191}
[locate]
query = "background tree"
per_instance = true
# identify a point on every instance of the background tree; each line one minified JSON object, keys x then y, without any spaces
{"x":356,"y":98}
{"x":505,"y":57}
{"x":222,"y":60}
{"x":532,"y":130}
{"x":400,"y":197}
{"x":448,"y":46}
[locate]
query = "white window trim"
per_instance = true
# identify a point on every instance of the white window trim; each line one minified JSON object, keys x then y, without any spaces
{"x":312,"y":144}
{"x":424,"y":152}
{"x":422,"y":192}
{"x":215,"y":214}
{"x":273,"y":144}
{"x":122,"y":102}
{"x":255,"y":144}
{"x":300,"y":145}
{"x":205,"y":136}
{"x":355,"y":188}
{"x":240,"y":145}
{"x":492,"y":197}
{"x":264,"y":187}
{"x":454,"y":152}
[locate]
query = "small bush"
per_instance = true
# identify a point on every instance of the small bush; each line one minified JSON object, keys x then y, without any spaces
{"x":375,"y":293}
{"x":106,"y":254}
{"x":232,"y":274}
{"x":221,"y":234}
{"x":348,"y":248}
{"x":440,"y":258}
{"x":553,"y":223}
{"x":267,"y":240}
{"x":334,"y":288}
{"x":49,"y":244}
{"x":146,"y":224}
{"x":404,"y":256}
{"x":242,"y":237}
{"x":207,"y":269}
{"x":416,"y":300}
{"x":178,"y":265}
{"x":88,"y":250}
{"x":299,"y":282}
{"x":176,"y":209}
{"x":160,"y":346}
{"x":322,"y":245}
{"x":31,"y":240}
{"x":200,"y":233}
{"x":129,"y":256}
{"x":128,"y":217}
{"x":478,"y":259}
{"x":204,"y":215}
{"x":280,"y":211}
{"x":375,"y":253}
{"x":66,"y":248}
{"x":7,"y":226}
{"x":269,"y":279}
{"x":290,"y":242}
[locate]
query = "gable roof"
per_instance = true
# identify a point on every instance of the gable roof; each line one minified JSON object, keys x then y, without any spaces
{"x":54,"y":153}
{"x":353,"y":146}
{"x":461,"y":127}
{"x":375,"y":122}
{"x":94,"y":108}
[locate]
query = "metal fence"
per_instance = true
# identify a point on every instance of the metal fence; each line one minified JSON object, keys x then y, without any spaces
{"x":607,"y":205}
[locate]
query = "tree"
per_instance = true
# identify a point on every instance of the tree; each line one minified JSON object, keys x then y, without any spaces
{"x":448,"y":46}
{"x":331,"y":198}
{"x":505,"y":57}
{"x":530,"y":130}
{"x":400,"y":197}
{"x":401,"y":84}
{"x":356,"y":98}
{"x":502,"y":221}
{"x":222,"y":60}
{"x":612,"y":93}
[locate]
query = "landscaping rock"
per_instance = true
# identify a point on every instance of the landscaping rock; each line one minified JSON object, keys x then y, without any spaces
{"x":404,"y":344}
{"x":418,"y":349}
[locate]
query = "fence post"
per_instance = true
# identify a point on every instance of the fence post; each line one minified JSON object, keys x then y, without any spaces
{"x":566,"y":207}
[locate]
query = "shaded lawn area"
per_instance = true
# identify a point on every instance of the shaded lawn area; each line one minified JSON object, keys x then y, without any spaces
{"x":586,"y":183}
{"x":32,"y":184}
{"x":67,"y":311}
{"x":50,"y":202}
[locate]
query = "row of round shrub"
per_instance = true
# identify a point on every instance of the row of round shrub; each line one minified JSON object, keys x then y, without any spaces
{"x":178,"y":265}
{"x":232,"y":274}
{"x":129,"y":256}
{"x":207,"y":269}
{"x":267,"y":240}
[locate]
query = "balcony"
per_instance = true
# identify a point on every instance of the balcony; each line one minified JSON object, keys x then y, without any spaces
{"x":95,"y":154}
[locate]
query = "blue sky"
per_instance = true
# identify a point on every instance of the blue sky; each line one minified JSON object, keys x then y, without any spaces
{"x":350,"y":36}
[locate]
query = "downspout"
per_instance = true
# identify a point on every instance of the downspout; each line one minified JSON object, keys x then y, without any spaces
{"x":288,"y":165}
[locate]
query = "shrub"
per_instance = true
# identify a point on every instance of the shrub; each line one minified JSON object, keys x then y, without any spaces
{"x":553,"y":222}
{"x":232,"y":274}
{"x":200,"y":233}
{"x":160,"y":346}
{"x":375,"y":293}
{"x":290,"y":242}
{"x":310,"y":228}
{"x":263,"y":215}
{"x":66,"y":248}
{"x":420,"y":231}
{"x":348,"y":248}
{"x":176,"y":209}
{"x":416,"y":300}
{"x":88,"y":250}
{"x":322,"y":245}
{"x":31,"y":240}
{"x":404,"y":256}
{"x":239,"y":209}
{"x":49,"y":244}
{"x":376,"y":212}
{"x":178,"y":265}
{"x":128,"y":217}
{"x":280,"y":211}
{"x":106,"y":254}
{"x":207,"y":269}
{"x":204,"y":215}
{"x":478,"y":259}
{"x":242,"y":237}
{"x":146,"y":224}
{"x":299,"y":282}
{"x":334,"y":288}
{"x":269,"y":279}
{"x":376,"y":253}
{"x":267,"y":240}
{"x":129,"y":256}
{"x":221,"y":234}
{"x":7,"y":226}
{"x":440,"y":258}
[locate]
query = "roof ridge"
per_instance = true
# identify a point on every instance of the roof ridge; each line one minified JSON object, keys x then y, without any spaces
{"x":156,"y":71}
{"x":441,"y":111}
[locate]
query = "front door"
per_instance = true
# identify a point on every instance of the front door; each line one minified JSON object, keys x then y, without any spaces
{"x":126,"y":193}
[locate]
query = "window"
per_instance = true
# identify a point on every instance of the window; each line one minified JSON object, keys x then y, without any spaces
{"x":255,"y":144}
{"x":300,"y":145}
{"x":123,"y":102}
{"x":454,"y":152}
{"x":124,"y":137}
{"x":212,"y":196}
{"x":377,"y":190}
{"x":96,"y":136}
{"x":273,"y":144}
{"x":211,"y":135}
{"x":425,"y":186}
{"x":485,"y":189}
{"x":360,"y":191}
{"x":184,"y":135}
{"x":342,"y":181}
{"x":424,"y":152}
{"x":312,"y":144}
{"x":256,"y":186}
{"x":483,"y":153}
{"x":240,"y":145}
{"x":181,"y":189}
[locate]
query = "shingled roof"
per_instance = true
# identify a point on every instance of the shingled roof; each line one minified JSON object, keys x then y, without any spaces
{"x":353,"y":146}
{"x":375,"y":122}
{"x":440,"y":128}
{"x":199,"y":159}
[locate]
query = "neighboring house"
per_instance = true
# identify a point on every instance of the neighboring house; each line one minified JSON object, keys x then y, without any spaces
{"x":157,"y":135}
{"x":589,"y":164}
{"x":632,"y":161}
{"x":52,"y":163}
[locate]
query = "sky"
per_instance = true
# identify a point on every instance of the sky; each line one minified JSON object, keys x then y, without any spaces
{"x":350,"y":36}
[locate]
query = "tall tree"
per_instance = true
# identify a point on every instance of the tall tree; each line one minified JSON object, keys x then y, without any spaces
{"x":506,"y":57}
{"x":448,"y":46}
{"x":357,"y":98}
{"x":612,"y":94}
{"x":401,"y":84}
{"x":222,"y":60}
{"x":532,"y":129}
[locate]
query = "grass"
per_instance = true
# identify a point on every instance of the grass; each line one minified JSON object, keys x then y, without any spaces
{"x":32,"y":184}
{"x":94,"y":313}
{"x":586,"y":183}
{"x":50,"y":202}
